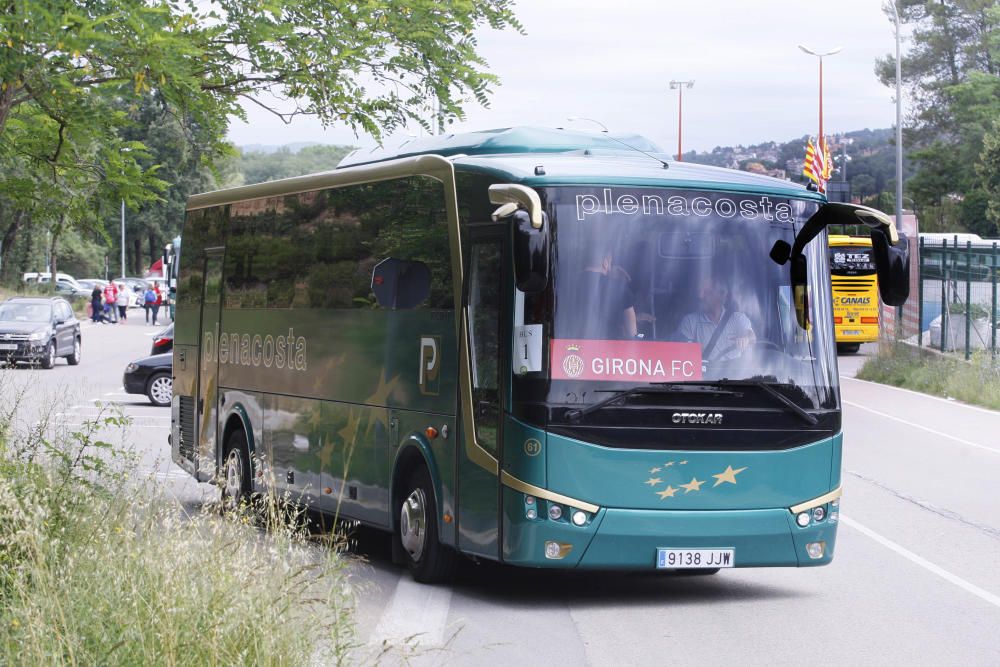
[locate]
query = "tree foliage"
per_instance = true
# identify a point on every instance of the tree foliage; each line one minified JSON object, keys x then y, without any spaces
{"x":952,"y":75}
{"x":85,"y":85}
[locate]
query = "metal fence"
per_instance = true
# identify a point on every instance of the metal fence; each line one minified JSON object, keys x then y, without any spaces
{"x":957,"y":289}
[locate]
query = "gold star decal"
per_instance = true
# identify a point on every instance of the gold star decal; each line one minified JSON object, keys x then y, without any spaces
{"x":326,"y":454}
{"x":383,"y":391}
{"x":350,"y":431}
{"x":693,"y":485}
{"x":666,"y":493}
{"x":684,"y":463}
{"x":728,"y":475}
{"x":380,"y":397}
{"x":654,"y":470}
{"x":653,"y":481}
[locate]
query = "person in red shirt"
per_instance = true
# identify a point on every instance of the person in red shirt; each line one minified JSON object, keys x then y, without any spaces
{"x":157,"y":302}
{"x":110,"y":297}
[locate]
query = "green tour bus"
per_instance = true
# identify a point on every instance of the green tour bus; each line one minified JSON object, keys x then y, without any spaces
{"x":540,"y":347}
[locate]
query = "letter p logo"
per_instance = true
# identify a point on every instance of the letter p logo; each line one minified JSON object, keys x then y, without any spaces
{"x":430,"y":365}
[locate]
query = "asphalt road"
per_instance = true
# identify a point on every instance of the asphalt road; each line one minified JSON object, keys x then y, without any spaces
{"x":916,"y":578}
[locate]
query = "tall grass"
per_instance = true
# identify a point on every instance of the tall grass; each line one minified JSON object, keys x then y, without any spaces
{"x":976,"y":381}
{"x":97,"y":567}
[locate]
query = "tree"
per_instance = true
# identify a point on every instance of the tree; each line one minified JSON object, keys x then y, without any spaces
{"x":67,"y":67}
{"x":951,"y":73}
{"x":989,"y":174}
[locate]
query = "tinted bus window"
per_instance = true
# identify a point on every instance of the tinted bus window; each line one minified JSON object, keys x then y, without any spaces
{"x":851,"y":261}
{"x":317,"y":249}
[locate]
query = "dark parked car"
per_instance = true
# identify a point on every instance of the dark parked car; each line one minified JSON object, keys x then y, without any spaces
{"x":152,"y":376}
{"x":163,"y":342}
{"x":39,"y":330}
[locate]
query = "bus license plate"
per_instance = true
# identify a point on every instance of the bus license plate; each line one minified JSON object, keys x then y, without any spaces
{"x":695,"y":558}
{"x":8,"y":346}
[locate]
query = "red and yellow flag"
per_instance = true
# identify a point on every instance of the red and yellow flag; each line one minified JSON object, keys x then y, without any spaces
{"x":818,"y":167}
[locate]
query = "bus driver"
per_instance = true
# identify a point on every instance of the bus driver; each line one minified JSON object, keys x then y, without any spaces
{"x":723,"y":332}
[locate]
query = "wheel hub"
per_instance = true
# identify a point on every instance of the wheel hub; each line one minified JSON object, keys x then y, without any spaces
{"x":234,"y":478}
{"x":413,"y":523}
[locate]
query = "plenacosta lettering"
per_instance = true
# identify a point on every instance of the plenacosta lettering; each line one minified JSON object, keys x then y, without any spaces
{"x":268,"y":351}
{"x":612,"y":203}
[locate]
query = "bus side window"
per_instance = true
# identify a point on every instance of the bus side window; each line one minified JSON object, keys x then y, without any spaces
{"x":484,"y":328}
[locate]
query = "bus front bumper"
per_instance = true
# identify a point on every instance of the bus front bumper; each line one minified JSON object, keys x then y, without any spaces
{"x":630,"y":539}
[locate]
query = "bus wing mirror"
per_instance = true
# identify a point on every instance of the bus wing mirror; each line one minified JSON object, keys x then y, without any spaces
{"x":892,"y":264}
{"x":530,"y":233}
{"x":400,"y":284}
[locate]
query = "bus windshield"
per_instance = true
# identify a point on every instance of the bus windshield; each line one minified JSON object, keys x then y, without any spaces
{"x":852,"y":261}
{"x":664,"y":288}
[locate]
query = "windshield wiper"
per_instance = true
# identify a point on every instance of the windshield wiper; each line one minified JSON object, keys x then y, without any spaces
{"x":789,"y":404}
{"x":655,"y":388}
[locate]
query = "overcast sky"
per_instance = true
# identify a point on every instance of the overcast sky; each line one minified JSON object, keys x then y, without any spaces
{"x":613,"y":61}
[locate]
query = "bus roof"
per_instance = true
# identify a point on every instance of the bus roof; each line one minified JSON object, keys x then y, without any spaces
{"x":551,"y":156}
{"x":531,"y":156}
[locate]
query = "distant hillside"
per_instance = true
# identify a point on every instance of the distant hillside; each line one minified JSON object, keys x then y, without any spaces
{"x":871,"y":168}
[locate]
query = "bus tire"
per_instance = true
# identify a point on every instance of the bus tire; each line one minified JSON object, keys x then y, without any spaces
{"x":417,"y":531}
{"x":235,"y":478}
{"x":848,"y":348}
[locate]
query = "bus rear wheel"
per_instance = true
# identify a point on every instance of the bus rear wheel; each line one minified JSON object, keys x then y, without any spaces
{"x":848,"y":348}
{"x":417,"y":532}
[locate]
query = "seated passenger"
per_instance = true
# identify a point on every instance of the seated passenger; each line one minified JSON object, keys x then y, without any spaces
{"x":723,"y":332}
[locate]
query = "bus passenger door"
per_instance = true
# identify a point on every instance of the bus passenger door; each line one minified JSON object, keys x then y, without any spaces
{"x":208,"y":363}
{"x":478,"y":482}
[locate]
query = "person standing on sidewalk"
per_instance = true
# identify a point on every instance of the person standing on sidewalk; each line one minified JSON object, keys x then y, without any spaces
{"x":96,"y":304}
{"x":148,"y":299}
{"x":157,"y":303}
{"x":122,"y":301}
{"x":110,"y":298}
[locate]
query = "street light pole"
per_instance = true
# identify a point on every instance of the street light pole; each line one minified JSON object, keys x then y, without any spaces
{"x":820,"y":56}
{"x":899,"y":122}
{"x":680,"y":86}
{"x":123,"y":238}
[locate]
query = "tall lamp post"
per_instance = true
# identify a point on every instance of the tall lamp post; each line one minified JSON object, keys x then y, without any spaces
{"x":820,"y":56}
{"x":680,"y":86}
{"x":899,"y":121}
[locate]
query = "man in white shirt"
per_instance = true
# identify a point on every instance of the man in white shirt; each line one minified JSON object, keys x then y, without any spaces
{"x":722,"y":332}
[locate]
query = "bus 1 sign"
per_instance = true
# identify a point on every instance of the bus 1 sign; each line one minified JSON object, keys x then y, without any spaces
{"x":614,"y":360}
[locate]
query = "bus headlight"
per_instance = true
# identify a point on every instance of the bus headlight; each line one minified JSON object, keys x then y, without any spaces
{"x":555,"y":512}
{"x":802,"y":519}
{"x":531,"y":513}
{"x":579,"y":518}
{"x":819,"y":513}
{"x":815,"y":549}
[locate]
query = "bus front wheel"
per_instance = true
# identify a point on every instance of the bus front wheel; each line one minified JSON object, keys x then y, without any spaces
{"x":235,"y":471}
{"x":417,"y":532}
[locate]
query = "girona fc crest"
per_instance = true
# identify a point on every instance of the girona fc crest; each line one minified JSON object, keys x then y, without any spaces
{"x":573,"y":363}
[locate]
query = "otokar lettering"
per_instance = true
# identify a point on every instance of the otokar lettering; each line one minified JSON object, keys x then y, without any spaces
{"x":268,"y":351}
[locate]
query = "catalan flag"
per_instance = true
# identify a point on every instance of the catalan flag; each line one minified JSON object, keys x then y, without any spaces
{"x":817,"y":166}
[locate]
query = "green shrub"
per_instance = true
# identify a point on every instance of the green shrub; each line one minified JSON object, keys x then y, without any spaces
{"x":976,"y":381}
{"x":97,"y":568}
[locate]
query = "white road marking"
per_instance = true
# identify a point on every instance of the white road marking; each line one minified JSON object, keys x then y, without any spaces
{"x":924,"y":428}
{"x":924,"y":563}
{"x":416,"y":615}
